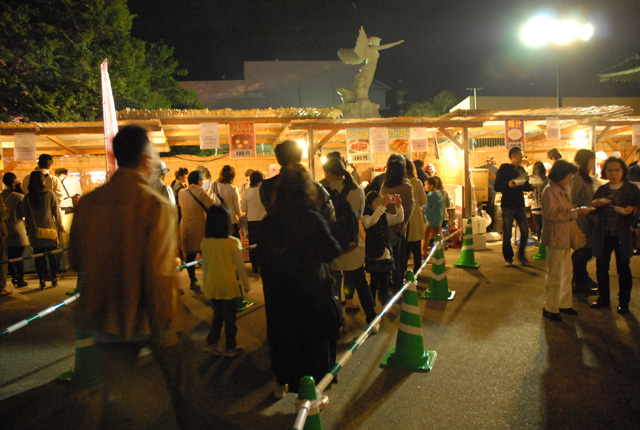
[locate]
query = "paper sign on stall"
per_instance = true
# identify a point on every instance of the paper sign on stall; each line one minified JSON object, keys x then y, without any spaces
{"x":379,"y":139}
{"x":635,"y":137}
{"x":514,"y":133}
{"x":209,"y":135}
{"x":24,"y":147}
{"x":358,"y":145}
{"x":242,"y":140}
{"x":399,"y":140}
{"x":419,"y":139}
{"x":553,"y":128}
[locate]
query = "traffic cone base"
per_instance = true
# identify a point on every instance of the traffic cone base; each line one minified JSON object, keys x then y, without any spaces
{"x":438,"y":284}
{"x":423,"y":363}
{"x":467,"y":256}
{"x":409,"y":352}
{"x":541,"y":254}
{"x":86,"y":369}
{"x":307,"y":391}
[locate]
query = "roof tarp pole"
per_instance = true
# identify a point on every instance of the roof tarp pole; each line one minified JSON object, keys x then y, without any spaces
{"x":466,"y":209}
{"x":594,"y":138}
{"x":312,"y":152}
{"x":109,"y":119}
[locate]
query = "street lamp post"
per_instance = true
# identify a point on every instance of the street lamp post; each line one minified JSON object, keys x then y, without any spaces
{"x":544,"y":30}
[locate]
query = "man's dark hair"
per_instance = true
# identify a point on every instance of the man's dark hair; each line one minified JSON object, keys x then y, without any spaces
{"x":256,"y":177}
{"x":129,"y":146}
{"x":288,"y":153}
{"x":625,"y":169}
{"x":45,"y":161}
{"x":218,"y":222}
{"x":561,"y":169}
{"x":513,"y":150}
{"x":554,"y":154}
{"x":195,"y":177}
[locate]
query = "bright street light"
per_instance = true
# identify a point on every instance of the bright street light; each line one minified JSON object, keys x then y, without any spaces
{"x":546,"y":30}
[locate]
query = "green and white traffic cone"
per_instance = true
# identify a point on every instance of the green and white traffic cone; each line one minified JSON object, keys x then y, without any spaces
{"x":307,"y":391}
{"x":438,"y":284}
{"x":467,"y":256}
{"x":542,"y":252}
{"x":409,"y":353}
{"x":243,"y":303}
{"x":87,"y":370}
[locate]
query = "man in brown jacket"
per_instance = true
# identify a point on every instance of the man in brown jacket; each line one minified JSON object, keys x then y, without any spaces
{"x":123,"y":241}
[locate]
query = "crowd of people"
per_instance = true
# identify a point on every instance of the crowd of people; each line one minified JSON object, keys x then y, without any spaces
{"x":576,"y":218}
{"x":314,"y":242}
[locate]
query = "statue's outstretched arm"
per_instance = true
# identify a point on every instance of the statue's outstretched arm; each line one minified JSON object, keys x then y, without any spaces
{"x":388,"y":45}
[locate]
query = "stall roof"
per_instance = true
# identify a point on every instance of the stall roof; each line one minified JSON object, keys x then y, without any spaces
{"x":180,"y":127}
{"x":626,"y":71}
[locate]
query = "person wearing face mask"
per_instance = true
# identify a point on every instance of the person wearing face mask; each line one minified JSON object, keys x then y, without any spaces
{"x":617,"y":206}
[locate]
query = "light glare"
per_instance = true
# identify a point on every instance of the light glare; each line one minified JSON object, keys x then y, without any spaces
{"x":543,"y":30}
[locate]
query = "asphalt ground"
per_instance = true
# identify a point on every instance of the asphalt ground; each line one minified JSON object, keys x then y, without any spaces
{"x":499,"y":364}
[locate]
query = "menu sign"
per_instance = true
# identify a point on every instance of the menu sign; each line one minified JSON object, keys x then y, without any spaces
{"x":24,"y":145}
{"x":209,"y":137}
{"x":242,"y":140}
{"x":553,"y":128}
{"x":635,"y":137}
{"x":419,"y":139}
{"x":514,"y":133}
{"x":379,"y":139}
{"x":358,"y":145}
{"x":399,"y":140}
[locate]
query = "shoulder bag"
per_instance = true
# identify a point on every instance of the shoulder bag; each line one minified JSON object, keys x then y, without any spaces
{"x":204,"y":208}
{"x":42,"y":233}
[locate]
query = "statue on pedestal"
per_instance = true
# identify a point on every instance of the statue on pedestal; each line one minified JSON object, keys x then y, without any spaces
{"x":355,"y":101}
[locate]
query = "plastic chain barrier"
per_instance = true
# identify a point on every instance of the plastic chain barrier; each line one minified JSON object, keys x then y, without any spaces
{"x":193,"y":263}
{"x":305,"y":407}
{"x":71,"y":299}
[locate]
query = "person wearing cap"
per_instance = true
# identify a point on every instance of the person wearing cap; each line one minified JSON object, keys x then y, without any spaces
{"x":159,"y":185}
{"x":51,"y":182}
{"x":430,"y":170}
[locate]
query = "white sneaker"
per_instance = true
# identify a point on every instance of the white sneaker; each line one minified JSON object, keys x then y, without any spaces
{"x":213,"y":350}
{"x":280,"y":390}
{"x":234,"y":352}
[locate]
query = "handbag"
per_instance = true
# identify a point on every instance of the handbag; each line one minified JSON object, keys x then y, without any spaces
{"x":43,"y":233}
{"x":578,"y":239}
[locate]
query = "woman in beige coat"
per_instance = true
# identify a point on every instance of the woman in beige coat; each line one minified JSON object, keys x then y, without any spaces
{"x":557,"y":215}
{"x":194,"y":202}
{"x":417,"y":222}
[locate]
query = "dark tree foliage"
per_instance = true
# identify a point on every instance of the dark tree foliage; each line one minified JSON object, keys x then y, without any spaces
{"x":437,"y":106}
{"x":50,"y":56}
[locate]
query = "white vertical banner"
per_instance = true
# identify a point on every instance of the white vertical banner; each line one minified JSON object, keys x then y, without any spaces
{"x":209,"y":135}
{"x":419,"y":137}
{"x":24,"y":147}
{"x":379,"y":139}
{"x":553,"y":128}
{"x":109,"y":118}
{"x":635,"y":137}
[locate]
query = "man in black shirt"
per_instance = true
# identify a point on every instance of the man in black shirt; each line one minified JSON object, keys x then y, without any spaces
{"x":511,"y":181}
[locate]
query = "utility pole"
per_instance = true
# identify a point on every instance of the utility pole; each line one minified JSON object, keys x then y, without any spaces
{"x":475,"y":99}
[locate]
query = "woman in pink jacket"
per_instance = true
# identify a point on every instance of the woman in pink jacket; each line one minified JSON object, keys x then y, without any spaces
{"x":557,"y":214}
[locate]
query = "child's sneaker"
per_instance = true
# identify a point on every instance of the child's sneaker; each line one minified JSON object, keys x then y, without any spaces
{"x":234,"y":352}
{"x":280,"y":390}
{"x":213,"y":350}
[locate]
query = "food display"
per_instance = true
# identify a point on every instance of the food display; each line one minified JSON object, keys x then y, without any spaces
{"x":242,"y":141}
{"x":399,"y":146}
{"x":361,"y":145}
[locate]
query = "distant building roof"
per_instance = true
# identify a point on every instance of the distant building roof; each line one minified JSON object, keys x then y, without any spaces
{"x":627,"y":71}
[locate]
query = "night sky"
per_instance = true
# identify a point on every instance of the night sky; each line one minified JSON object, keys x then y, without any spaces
{"x":452,"y":44}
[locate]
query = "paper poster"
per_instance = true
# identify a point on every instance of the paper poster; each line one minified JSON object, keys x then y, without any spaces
{"x":24,"y":147}
{"x":514,"y":133}
{"x":209,"y":135}
{"x":399,"y":140}
{"x":358,"y":145}
{"x":419,"y":139}
{"x":635,"y":137}
{"x":553,"y":128}
{"x":242,"y":140}
{"x":379,"y":139}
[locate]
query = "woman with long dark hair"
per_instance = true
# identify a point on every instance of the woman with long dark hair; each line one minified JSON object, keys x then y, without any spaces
{"x":396,"y":182}
{"x":294,"y":247}
{"x":41,"y":211}
{"x":227,"y":194}
{"x":17,"y":239}
{"x":581,"y":190}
